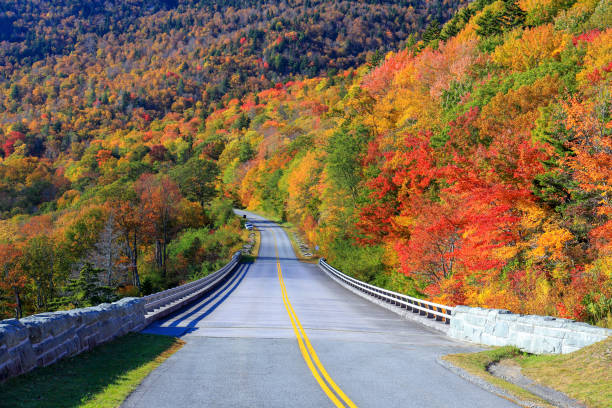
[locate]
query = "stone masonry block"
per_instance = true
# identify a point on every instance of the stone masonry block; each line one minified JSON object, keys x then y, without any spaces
{"x":476,"y":320}
{"x":12,"y":332}
{"x":88,"y":342}
{"x":578,"y":339}
{"x":521,"y":340}
{"x":106,"y":331}
{"x":553,"y":332}
{"x":24,"y":356}
{"x":43,"y":325}
{"x":593,"y":330}
{"x":582,"y":326}
{"x":4,"y":355}
{"x":545,"y":345}
{"x":501,"y":329}
{"x":479,"y":311}
{"x":456,"y":324}
{"x":52,"y":342}
{"x":489,"y":327}
{"x":461,"y":310}
{"x":85,"y":331}
{"x":47,"y":337}
{"x":531,"y":333}
{"x":509,"y":317}
{"x":493,"y":340}
{"x":85,"y":317}
{"x":473,"y":333}
{"x":535,"y":319}
{"x":494,"y":313}
{"x":10,"y":369}
{"x":103,"y":311}
{"x":522,"y":327}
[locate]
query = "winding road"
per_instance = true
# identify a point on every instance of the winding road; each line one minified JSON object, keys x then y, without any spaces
{"x":281,"y":333}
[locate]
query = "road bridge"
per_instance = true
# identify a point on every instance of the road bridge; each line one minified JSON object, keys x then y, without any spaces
{"x":281,"y":333}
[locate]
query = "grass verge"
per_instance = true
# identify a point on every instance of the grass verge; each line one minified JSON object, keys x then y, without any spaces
{"x":585,"y":375}
{"x":477,"y":363}
{"x":291,"y":231}
{"x":101,"y":378}
{"x":255,"y":250}
{"x":250,"y":258}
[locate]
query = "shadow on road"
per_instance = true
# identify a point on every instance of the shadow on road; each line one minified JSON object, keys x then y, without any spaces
{"x":273,"y":258}
{"x":175,"y":329}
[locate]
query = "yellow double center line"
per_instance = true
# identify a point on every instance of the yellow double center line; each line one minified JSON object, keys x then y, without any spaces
{"x":308,"y":353}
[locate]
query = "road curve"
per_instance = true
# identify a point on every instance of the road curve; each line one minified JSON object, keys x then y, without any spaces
{"x":242,"y":351}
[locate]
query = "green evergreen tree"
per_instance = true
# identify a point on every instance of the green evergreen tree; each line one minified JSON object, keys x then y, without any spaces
{"x":91,"y":95}
{"x":105,"y":96}
{"x":489,"y":24}
{"x":243,"y":122}
{"x":512,"y":15}
{"x":14,"y":93}
{"x":432,"y":32}
{"x":376,"y":59}
{"x":495,"y":23}
{"x":449,"y":30}
{"x":86,"y":290}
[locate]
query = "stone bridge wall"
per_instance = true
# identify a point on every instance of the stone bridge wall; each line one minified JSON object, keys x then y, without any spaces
{"x":42,"y":339}
{"x":533,"y":334}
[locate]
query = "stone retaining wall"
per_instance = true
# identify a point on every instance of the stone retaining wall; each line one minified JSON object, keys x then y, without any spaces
{"x":533,"y":334}
{"x":42,"y":339}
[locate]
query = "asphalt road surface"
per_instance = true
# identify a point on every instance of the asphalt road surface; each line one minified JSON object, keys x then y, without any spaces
{"x":280,"y":333}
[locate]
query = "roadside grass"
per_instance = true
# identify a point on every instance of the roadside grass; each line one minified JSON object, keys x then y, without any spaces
{"x":585,"y":375}
{"x":291,"y":230}
{"x":250,"y":258}
{"x":101,"y":378}
{"x":255,"y":250}
{"x":477,"y":363}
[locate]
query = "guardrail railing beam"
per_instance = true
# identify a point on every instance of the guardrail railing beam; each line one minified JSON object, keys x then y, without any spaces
{"x":162,"y":303}
{"x":430,"y":310}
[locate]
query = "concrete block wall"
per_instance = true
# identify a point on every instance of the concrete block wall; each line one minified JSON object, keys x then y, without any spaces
{"x":531,"y":333}
{"x":42,"y":339}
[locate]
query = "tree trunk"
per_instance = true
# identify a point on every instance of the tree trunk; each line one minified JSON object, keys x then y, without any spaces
{"x":135,"y":263}
{"x":39,"y":297}
{"x":158,"y":253}
{"x":165,"y":253}
{"x":109,"y":266}
{"x":18,"y":302}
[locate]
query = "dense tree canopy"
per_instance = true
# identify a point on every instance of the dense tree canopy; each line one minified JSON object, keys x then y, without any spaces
{"x":460,"y":157}
{"x":472,"y":167}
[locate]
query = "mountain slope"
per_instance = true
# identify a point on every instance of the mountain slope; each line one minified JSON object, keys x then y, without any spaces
{"x":104,"y":154}
{"x":473,"y":168}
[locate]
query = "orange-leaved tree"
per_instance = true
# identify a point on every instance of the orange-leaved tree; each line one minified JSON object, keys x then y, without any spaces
{"x":160,"y":198}
{"x":13,"y":277}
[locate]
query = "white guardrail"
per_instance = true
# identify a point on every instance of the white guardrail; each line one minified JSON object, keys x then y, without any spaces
{"x":440,"y":313}
{"x":161,"y":304}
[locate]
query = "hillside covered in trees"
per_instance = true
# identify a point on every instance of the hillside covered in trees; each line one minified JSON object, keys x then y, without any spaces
{"x":473,"y":167}
{"x":462,"y":157}
{"x":109,"y":177}
{"x":73,"y":71}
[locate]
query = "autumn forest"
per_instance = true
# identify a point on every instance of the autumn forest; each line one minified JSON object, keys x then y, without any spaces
{"x":451,"y":150}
